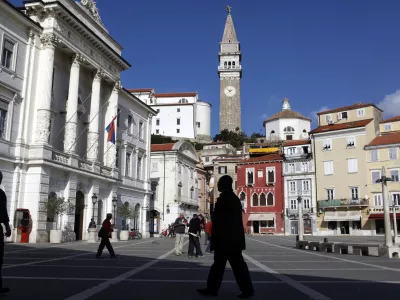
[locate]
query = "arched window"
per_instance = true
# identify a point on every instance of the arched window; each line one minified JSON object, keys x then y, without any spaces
{"x":272,"y":131}
{"x":242,"y":196}
{"x":229,"y":64}
{"x":263,"y":200}
{"x":136,"y":215}
{"x":183,"y":100}
{"x":305,"y":131}
{"x":225,"y":64}
{"x":233,"y":64}
{"x":288,"y":129}
{"x":255,"y":199}
{"x":270,"y":199}
{"x":192,"y":192}
{"x":271,"y":176}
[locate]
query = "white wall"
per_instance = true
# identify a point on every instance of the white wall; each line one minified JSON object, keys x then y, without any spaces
{"x":279,"y":125}
{"x":168,"y":116}
{"x":203,"y":115}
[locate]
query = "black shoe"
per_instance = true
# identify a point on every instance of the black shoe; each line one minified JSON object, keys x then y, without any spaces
{"x":246,"y":295}
{"x":207,"y":292}
{"x":4,"y":290}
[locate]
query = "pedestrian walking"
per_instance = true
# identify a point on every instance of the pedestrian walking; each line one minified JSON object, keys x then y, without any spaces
{"x":105,"y":235}
{"x":179,"y":229}
{"x":6,"y":221}
{"x":228,"y":242}
{"x":194,"y":240}
{"x":205,"y":231}
{"x":208,"y":230}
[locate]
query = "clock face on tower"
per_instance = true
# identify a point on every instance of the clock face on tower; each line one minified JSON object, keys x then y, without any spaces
{"x":230,"y":91}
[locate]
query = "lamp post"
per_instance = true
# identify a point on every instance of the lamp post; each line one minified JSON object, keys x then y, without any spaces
{"x":94,"y":201}
{"x":394,"y":223}
{"x":383,"y":180}
{"x":114,"y":203}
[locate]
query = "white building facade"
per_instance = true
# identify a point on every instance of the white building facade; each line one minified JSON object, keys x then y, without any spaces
{"x":299,"y":181}
{"x":179,"y":115}
{"x":287,"y":125}
{"x":70,"y":93}
{"x":173,"y":180}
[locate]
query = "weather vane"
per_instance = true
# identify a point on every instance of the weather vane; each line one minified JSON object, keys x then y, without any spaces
{"x":228,"y":9}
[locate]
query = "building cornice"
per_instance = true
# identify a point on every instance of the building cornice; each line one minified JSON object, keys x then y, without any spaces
{"x":21,"y":16}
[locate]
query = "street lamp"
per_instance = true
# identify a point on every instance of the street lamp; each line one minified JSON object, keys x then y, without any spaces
{"x":383,"y":180}
{"x":114,"y":203}
{"x":94,"y":201}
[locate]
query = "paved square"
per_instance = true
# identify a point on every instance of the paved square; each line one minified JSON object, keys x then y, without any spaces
{"x":148,"y":269}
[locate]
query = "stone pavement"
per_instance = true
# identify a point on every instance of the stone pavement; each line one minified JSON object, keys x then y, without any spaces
{"x":148,"y":270}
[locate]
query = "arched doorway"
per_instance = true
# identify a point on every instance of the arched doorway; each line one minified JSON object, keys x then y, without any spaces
{"x":154,"y":224}
{"x":100,"y":212}
{"x":136,"y":217}
{"x":79,"y":206}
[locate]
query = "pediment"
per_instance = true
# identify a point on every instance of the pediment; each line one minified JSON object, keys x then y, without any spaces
{"x":187,"y":149}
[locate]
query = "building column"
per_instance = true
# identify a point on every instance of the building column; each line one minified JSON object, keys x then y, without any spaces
{"x":44,"y":88}
{"x":112,"y":111}
{"x":93,"y":135}
{"x":72,"y":106}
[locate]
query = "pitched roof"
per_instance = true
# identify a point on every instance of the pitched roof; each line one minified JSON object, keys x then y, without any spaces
{"x":350,"y":107}
{"x":296,"y":143}
{"x":145,"y":90}
{"x":394,"y":119}
{"x":266,"y":158}
{"x":341,"y":126}
{"x":162,"y":147}
{"x":287,"y":114}
{"x":184,"y":94}
{"x":386,"y":139}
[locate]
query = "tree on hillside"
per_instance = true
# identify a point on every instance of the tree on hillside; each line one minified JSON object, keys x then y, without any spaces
{"x":161,"y":139}
{"x":236,"y":139}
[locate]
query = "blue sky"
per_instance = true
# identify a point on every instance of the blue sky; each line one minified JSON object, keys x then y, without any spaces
{"x":319,"y":54}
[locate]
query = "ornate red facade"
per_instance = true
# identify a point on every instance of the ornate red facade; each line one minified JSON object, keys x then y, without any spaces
{"x":260,"y":188}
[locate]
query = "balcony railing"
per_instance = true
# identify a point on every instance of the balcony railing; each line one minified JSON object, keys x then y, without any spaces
{"x":298,"y":155}
{"x":342,"y":203}
{"x":295,"y":211}
{"x":187,"y":200}
{"x":227,"y":68}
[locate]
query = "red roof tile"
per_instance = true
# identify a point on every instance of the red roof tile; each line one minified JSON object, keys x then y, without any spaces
{"x":269,"y":157}
{"x":140,"y":90}
{"x":166,"y":95}
{"x":296,"y":143}
{"x":341,"y":126}
{"x":162,"y":147}
{"x":394,"y":119}
{"x":386,"y":139}
{"x":350,"y":107}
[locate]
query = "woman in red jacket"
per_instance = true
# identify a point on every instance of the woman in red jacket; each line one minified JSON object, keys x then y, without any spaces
{"x":105,"y":234}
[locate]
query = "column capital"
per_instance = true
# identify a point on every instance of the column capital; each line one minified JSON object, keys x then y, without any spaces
{"x":49,"y":40}
{"x":117,"y":87}
{"x":76,"y":60}
{"x":99,"y":75}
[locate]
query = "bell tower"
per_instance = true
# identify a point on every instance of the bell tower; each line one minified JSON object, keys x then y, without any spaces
{"x":230,"y":73}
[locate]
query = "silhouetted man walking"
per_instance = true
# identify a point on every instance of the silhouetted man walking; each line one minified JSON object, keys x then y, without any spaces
{"x":227,"y":241}
{"x":105,"y":234}
{"x":5,"y":220}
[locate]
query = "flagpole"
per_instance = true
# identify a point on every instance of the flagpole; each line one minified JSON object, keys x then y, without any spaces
{"x":87,"y":126}
{"x":73,"y":115}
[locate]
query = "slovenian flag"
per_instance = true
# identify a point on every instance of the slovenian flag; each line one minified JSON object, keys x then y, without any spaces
{"x":111,"y":131}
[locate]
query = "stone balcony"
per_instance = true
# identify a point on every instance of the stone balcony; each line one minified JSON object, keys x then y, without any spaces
{"x":298,"y":155}
{"x":295,"y":211}
{"x":186,"y":201}
{"x":132,"y":182}
{"x":336,"y":203}
{"x":75,"y":162}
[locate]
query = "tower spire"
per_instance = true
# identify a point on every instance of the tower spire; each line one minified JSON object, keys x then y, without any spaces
{"x":229,"y":31}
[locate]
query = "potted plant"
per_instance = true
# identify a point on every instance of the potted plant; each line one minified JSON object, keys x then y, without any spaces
{"x":125,"y":212}
{"x":56,"y":207}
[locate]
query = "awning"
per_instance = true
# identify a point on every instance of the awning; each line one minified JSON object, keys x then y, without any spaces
{"x":261,"y":217}
{"x":342,"y":216}
{"x":381,"y":216}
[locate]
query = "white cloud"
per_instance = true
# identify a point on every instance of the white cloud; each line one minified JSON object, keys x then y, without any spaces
{"x":391,"y":105}
{"x":313,"y":114}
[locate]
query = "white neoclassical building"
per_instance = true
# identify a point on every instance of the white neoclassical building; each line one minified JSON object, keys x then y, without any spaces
{"x":70,"y":93}
{"x":287,"y":124}
{"x":179,"y":115}
{"x":174,"y":183}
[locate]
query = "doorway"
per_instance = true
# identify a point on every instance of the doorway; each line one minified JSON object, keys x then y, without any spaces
{"x":294,"y":227}
{"x":79,"y":206}
{"x":344,"y":227}
{"x":154,"y":223}
{"x":256,"y":227}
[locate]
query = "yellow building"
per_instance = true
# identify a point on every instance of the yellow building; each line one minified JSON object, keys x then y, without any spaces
{"x":340,"y":167}
{"x":383,"y":151}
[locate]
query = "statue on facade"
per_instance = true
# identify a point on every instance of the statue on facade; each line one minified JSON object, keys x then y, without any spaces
{"x":228,"y":9}
{"x":92,"y":8}
{"x":92,"y":224}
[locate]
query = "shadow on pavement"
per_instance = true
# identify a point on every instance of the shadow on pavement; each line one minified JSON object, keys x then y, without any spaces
{"x":58,"y":272}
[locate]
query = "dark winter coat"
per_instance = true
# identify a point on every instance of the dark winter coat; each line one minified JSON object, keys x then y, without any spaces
{"x":227,"y":232}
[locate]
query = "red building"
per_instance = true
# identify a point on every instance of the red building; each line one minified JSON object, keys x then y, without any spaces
{"x":260,"y":188}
